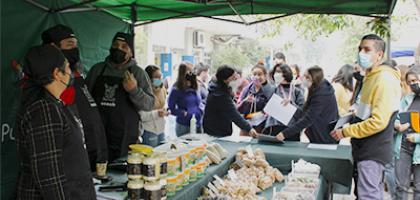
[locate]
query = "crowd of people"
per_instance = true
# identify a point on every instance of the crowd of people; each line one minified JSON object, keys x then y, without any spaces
{"x":69,"y":125}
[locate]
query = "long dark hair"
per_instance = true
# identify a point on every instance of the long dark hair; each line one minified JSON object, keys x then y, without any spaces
{"x":317,"y":76}
{"x":181,"y":81}
{"x":345,"y":77}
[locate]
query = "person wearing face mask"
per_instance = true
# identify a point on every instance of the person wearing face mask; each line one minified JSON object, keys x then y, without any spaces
{"x":371,"y":130}
{"x":407,"y":145}
{"x":53,"y":160}
{"x":284,"y":87}
{"x":202,"y":71}
{"x":220,"y":109}
{"x":318,"y":112}
{"x":121,"y":89}
{"x":85,"y":106}
{"x":184,"y":101}
{"x":154,"y":121}
{"x":254,"y":97}
{"x":343,"y":87}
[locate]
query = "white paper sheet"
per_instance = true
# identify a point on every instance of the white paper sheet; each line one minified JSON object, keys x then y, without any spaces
{"x":236,"y":138}
{"x":276,"y":109}
{"x":343,"y":120}
{"x":322,"y":146}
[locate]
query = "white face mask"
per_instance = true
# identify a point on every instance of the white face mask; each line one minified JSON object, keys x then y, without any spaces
{"x":278,"y":78}
{"x":234,"y":85}
{"x":306,"y":83}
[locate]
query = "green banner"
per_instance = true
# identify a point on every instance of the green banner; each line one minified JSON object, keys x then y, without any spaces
{"x":21,"y":26}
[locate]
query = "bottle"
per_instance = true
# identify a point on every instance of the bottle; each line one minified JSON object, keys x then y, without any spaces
{"x":193,"y":125}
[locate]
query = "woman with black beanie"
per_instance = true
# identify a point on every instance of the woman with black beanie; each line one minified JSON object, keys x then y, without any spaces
{"x":220,"y":109}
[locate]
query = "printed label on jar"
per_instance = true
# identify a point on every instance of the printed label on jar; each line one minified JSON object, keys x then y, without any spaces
{"x":163,"y":193}
{"x":135,"y":194}
{"x":152,"y":195}
{"x":134,"y":169}
{"x":163,"y":168}
{"x":148,"y":170}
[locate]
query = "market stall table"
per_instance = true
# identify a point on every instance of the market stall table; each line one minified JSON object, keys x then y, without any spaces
{"x":336,"y":167}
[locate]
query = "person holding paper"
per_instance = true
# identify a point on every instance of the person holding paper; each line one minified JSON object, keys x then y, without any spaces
{"x":372,"y":129}
{"x":407,"y":146}
{"x":319,"y":110}
{"x":283,"y":77}
{"x":220,"y":109}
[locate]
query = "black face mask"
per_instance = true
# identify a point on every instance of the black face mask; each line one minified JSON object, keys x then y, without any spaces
{"x":415,"y":88}
{"x":191,"y":77}
{"x":358,"y":76}
{"x":72,"y":55}
{"x":117,"y":56}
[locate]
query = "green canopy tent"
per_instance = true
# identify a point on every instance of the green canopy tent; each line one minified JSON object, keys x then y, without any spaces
{"x":96,"y":21}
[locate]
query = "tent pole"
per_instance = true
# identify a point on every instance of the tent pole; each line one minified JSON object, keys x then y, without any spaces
{"x":238,"y":14}
{"x":74,"y":5}
{"x":39,"y":5}
{"x":389,"y":39}
{"x":133,"y":23}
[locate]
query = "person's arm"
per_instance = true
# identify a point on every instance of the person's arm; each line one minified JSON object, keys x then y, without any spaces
{"x":384,"y":103}
{"x":339,"y":93}
{"x":92,"y":76}
{"x":233,"y":114}
{"x":172,"y":103}
{"x":147,"y":116}
{"x":142,"y":97}
{"x":313,"y":111}
{"x":299,"y":97}
{"x":44,"y":132}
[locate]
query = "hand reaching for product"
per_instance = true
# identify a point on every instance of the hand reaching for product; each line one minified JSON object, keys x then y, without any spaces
{"x":401,"y":127}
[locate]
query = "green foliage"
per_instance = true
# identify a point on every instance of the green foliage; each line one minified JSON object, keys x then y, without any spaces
{"x":380,"y":26}
{"x":231,"y":56}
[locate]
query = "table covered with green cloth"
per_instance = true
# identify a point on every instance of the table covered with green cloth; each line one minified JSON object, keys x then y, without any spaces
{"x":336,"y":166}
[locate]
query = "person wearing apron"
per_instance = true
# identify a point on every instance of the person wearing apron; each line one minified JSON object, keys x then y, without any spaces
{"x":53,"y":159}
{"x":84,"y":106}
{"x":121,"y":89}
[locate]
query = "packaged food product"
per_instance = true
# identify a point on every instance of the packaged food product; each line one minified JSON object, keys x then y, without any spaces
{"x":163,"y":189}
{"x":151,"y":168}
{"x":134,"y":165}
{"x":180,"y":181}
{"x":163,"y":160}
{"x":142,"y":148}
{"x":201,"y":169}
{"x":171,"y":186}
{"x":193,"y":173}
{"x":186,"y":177}
{"x":152,"y":191}
{"x":135,"y":190}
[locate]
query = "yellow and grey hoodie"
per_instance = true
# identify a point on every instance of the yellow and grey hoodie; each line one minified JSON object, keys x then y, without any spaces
{"x":372,"y":135}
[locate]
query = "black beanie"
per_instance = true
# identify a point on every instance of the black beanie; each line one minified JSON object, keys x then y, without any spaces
{"x":125,"y":37}
{"x":57,"y":33}
{"x":40,"y":61}
{"x":224,"y":72}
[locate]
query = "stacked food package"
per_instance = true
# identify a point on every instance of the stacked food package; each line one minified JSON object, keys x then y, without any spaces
{"x":302,"y":183}
{"x":250,"y":174}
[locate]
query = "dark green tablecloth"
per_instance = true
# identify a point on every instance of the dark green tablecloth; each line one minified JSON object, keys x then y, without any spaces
{"x":336,"y":167}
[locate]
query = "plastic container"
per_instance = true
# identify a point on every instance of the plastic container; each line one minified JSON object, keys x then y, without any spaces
{"x":151,"y":169}
{"x":185,"y":159}
{"x":193,"y":173}
{"x":152,"y":191}
{"x":163,"y":160}
{"x":186,"y":180}
{"x":201,"y":169}
{"x":163,"y":192}
{"x":173,"y":166}
{"x":135,"y":190}
{"x":180,"y":181}
{"x":171,"y":186}
{"x":134,"y":165}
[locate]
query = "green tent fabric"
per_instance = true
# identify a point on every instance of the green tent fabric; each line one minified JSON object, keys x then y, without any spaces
{"x":162,"y":9}
{"x":21,"y":27}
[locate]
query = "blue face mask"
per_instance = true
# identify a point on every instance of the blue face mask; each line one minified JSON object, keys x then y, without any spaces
{"x":363,"y":59}
{"x":157,"y":82}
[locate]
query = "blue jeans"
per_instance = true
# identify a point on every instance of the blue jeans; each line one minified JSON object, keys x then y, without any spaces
{"x":370,"y":180}
{"x":390,"y":178}
{"x":183,"y":130}
{"x":152,"y":139}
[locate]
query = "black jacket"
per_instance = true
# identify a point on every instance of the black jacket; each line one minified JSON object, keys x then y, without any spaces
{"x":221,"y":111}
{"x":321,"y":109}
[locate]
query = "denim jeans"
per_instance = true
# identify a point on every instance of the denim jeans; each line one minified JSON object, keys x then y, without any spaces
{"x":403,"y":171}
{"x":152,"y":139}
{"x":390,"y":178}
{"x":182,"y":130}
{"x":370,"y":180}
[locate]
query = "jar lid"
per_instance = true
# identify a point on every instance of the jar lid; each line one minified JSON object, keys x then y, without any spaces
{"x":152,"y":186}
{"x":135,"y":184}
